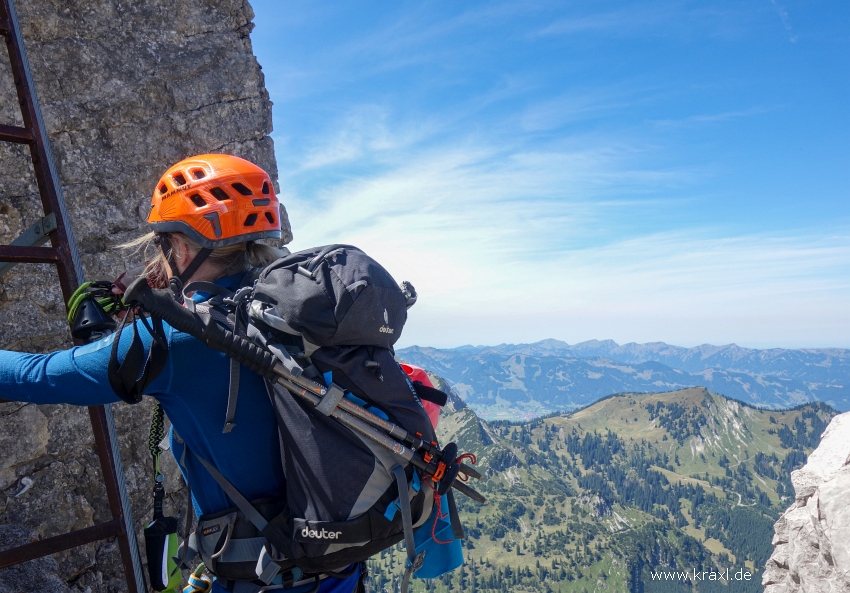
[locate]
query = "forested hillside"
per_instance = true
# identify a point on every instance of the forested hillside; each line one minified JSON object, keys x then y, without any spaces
{"x":600,"y":499}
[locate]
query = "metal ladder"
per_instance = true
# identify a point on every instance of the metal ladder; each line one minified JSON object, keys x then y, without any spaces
{"x":62,"y":252}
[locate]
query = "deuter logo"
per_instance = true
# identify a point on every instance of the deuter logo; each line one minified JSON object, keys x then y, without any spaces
{"x":312,"y":533}
{"x":384,"y":329}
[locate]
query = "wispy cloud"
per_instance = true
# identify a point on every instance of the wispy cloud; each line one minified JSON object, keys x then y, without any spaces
{"x":363,"y":132}
{"x":544,"y":242}
{"x":630,"y":19}
{"x":684,"y":287}
{"x":710,"y":118}
{"x":574,"y":106}
{"x":786,"y":20}
{"x":486,"y":195}
{"x":650,"y":19}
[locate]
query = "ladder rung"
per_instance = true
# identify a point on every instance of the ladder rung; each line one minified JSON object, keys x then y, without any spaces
{"x":28,"y":255}
{"x":65,"y":541}
{"x":15,"y":134}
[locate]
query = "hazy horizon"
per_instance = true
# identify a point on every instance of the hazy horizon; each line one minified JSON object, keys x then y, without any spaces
{"x":403,"y":344}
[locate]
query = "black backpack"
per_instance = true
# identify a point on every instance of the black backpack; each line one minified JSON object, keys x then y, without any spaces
{"x":321,"y":324}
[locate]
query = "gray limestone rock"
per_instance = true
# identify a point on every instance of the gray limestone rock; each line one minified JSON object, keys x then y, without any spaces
{"x":812,"y":541}
{"x":127,"y":89}
{"x":35,"y":576}
{"x":23,"y":436}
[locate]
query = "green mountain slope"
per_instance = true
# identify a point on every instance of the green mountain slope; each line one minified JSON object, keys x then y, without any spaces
{"x":601,"y":499}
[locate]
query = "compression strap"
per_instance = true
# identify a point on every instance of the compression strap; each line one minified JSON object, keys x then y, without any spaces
{"x":414,"y":561}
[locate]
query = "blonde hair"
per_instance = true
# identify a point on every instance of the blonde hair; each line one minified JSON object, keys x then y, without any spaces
{"x":229,"y":260}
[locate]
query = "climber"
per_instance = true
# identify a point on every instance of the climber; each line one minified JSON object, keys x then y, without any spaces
{"x":206,"y":214}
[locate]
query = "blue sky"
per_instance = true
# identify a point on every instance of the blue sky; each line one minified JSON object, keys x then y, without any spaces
{"x":640,"y":171}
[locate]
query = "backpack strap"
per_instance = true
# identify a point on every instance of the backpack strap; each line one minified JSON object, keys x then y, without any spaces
{"x":207,"y":287}
{"x":232,"y":396}
{"x":457,"y":528}
{"x":240,"y":501}
{"x":235,"y":368}
{"x":430,"y":394}
{"x":414,"y":561}
{"x":229,"y":301}
{"x":189,"y":551}
{"x":268,"y":566}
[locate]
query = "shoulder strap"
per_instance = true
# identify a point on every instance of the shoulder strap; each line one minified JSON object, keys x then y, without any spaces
{"x":235,"y":369}
{"x":190,"y":508}
{"x":211,"y":288}
{"x":222,"y":304}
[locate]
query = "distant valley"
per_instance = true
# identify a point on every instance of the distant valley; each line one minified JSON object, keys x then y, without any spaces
{"x":513,"y":381}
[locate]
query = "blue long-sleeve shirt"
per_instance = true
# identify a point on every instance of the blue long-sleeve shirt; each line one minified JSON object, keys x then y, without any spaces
{"x":193,"y":390}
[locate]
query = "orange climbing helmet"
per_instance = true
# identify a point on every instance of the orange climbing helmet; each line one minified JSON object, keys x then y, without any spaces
{"x":216,"y":200}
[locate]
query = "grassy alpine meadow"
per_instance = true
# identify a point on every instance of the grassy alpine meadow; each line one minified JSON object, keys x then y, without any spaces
{"x":609,"y":497}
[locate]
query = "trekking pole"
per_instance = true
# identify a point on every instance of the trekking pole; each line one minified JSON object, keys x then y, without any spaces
{"x":302,"y":384}
{"x":162,"y":304}
{"x":386,"y":441}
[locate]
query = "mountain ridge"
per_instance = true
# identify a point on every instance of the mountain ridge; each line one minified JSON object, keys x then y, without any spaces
{"x":535,"y":379}
{"x":636,"y":352}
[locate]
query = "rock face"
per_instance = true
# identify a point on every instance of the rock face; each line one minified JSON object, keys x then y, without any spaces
{"x":812,"y":541}
{"x":127,"y":89}
{"x":30,"y":577}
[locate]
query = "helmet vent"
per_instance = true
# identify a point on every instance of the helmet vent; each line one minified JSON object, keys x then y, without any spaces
{"x":179,"y":179}
{"x":241,"y":189}
{"x":219,"y":194}
{"x":269,"y":217}
{"x":198,"y":174}
{"x":252,"y":218}
{"x":163,"y":188}
{"x":261,"y":201}
{"x":265,"y":188}
{"x":198,"y":200}
{"x":216,"y":224}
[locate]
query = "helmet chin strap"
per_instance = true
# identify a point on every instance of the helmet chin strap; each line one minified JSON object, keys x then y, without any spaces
{"x":176,"y":282}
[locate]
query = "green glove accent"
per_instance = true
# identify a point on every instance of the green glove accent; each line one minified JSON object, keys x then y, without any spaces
{"x":101,"y":292}
{"x":74,"y":302}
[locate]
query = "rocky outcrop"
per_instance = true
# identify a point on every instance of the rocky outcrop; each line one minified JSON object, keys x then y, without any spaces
{"x":812,"y":540}
{"x":127,"y":88}
{"x":30,"y":577}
